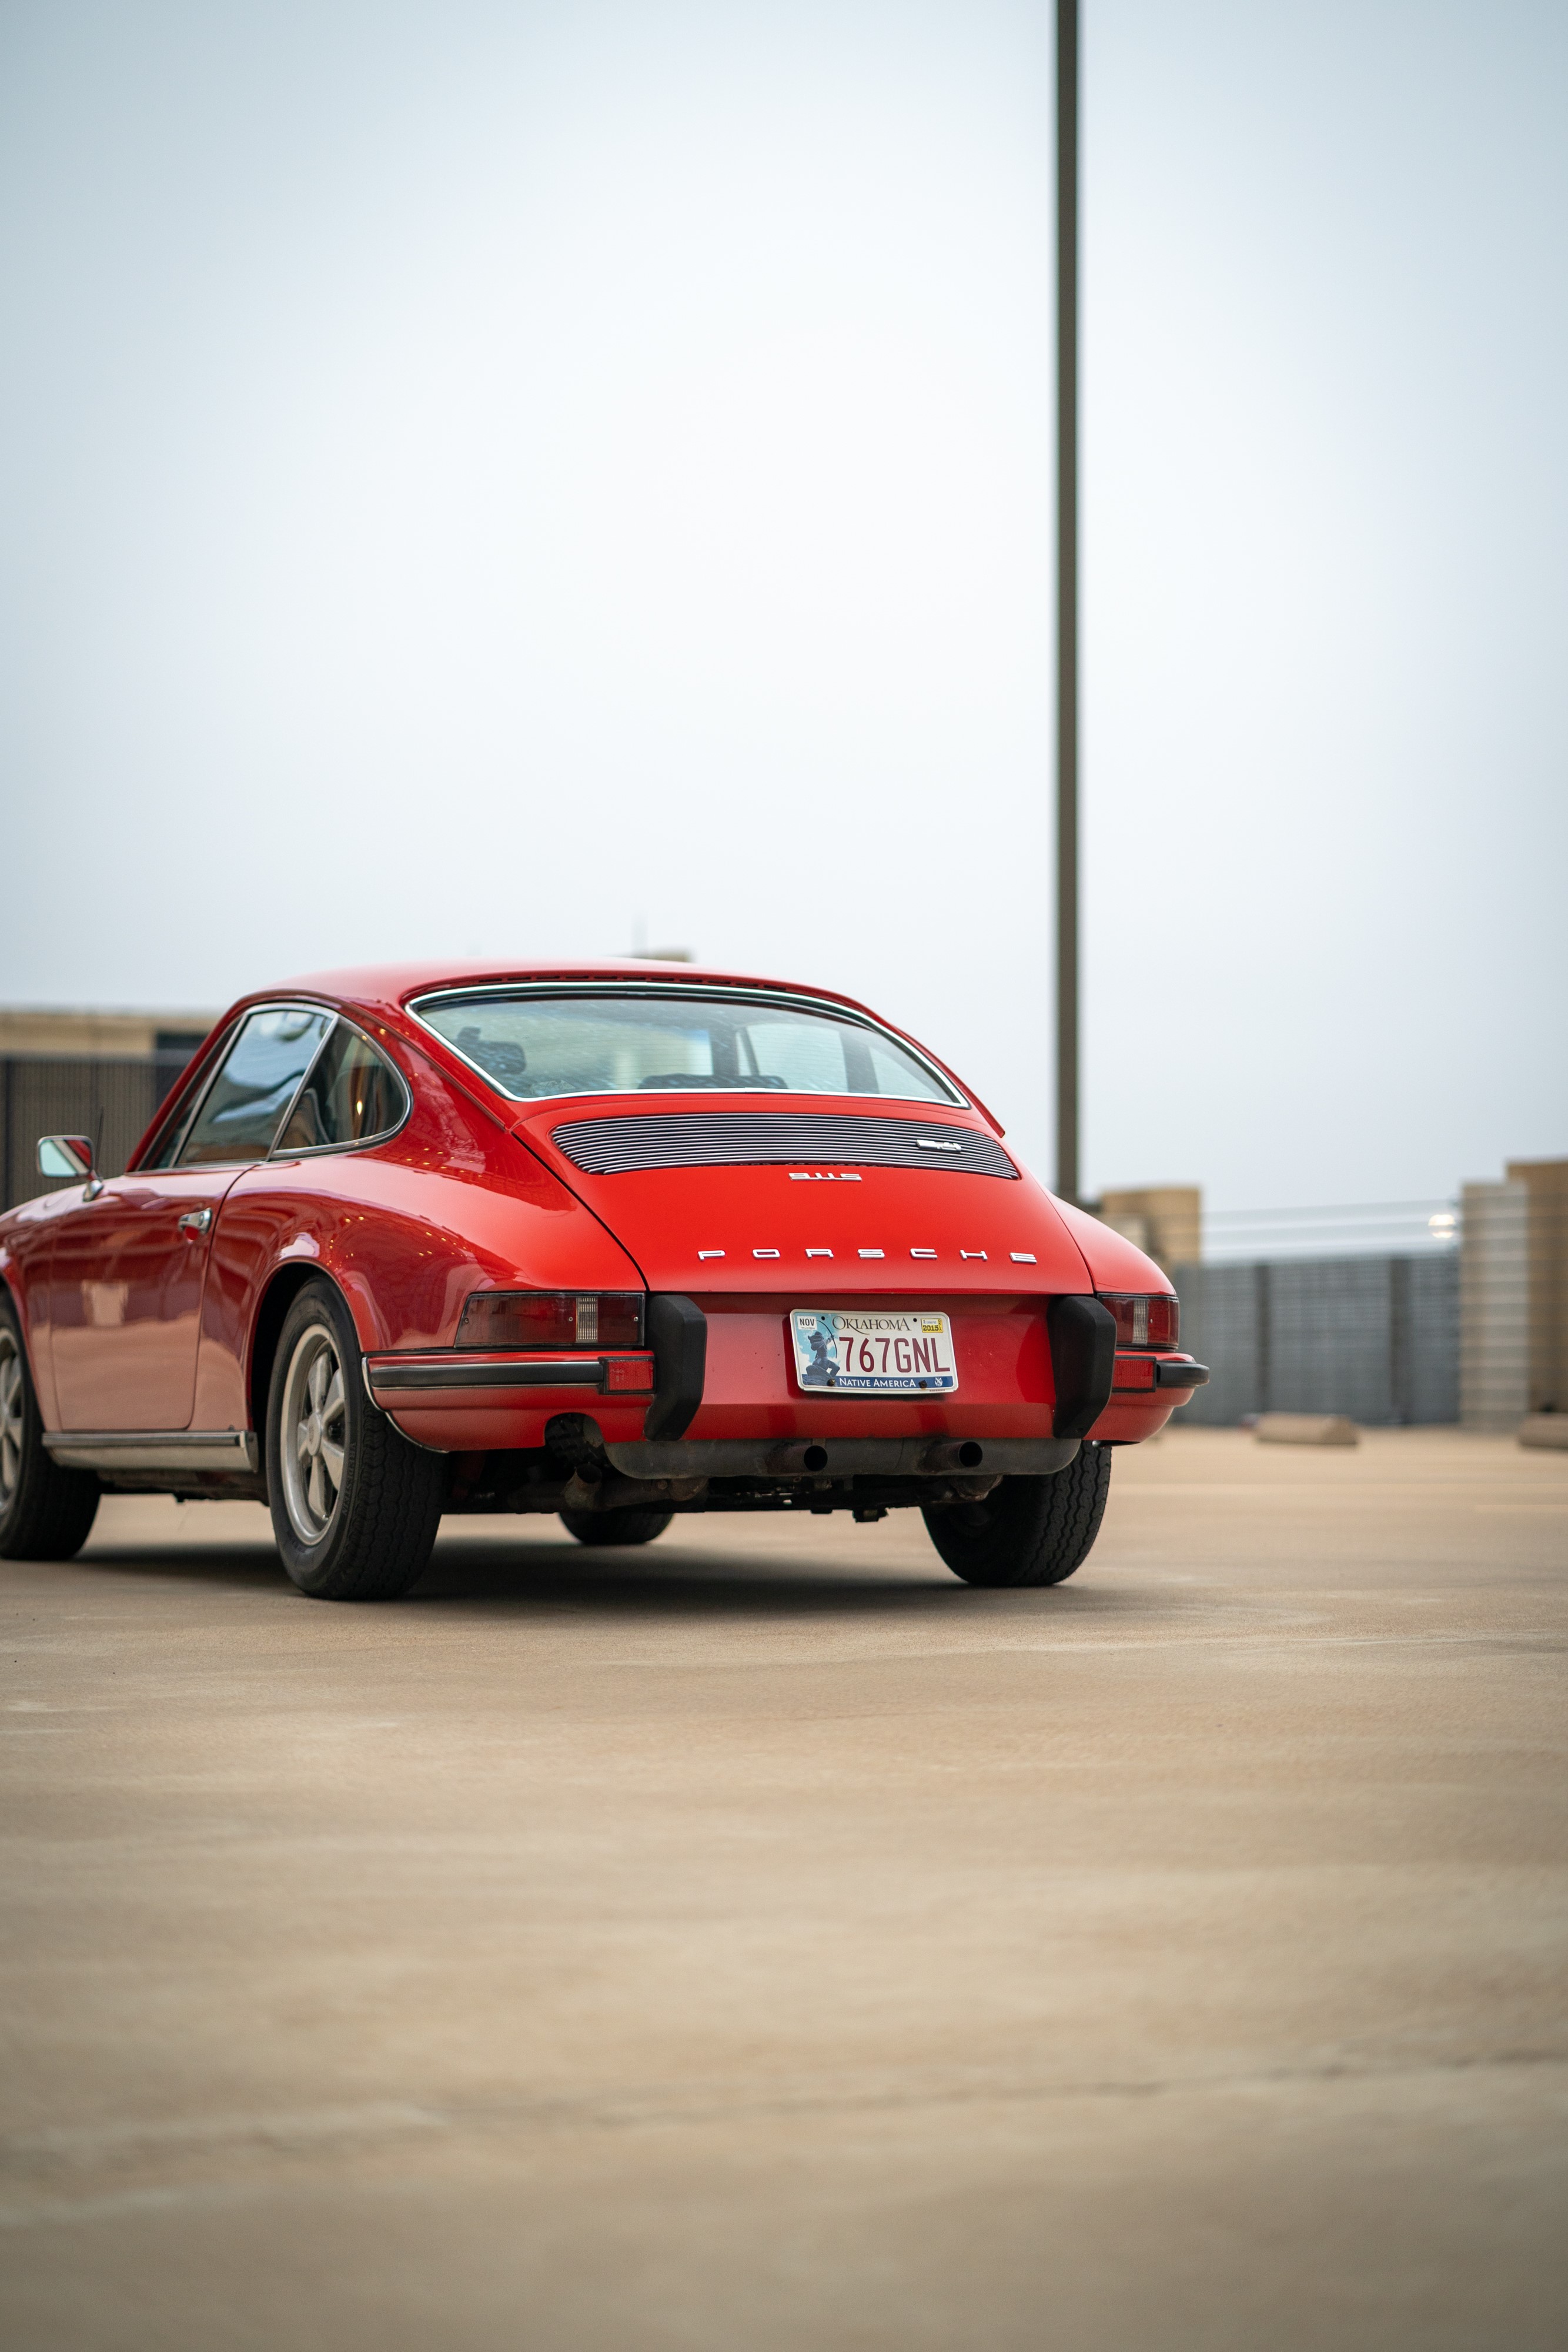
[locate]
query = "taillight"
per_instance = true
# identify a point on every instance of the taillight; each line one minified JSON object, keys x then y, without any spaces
{"x":1151,"y":1322}
{"x":552,"y":1318}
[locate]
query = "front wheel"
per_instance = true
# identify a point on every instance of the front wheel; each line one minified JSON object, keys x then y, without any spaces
{"x":1027,"y":1530}
{"x":46,"y":1513}
{"x":355,"y":1507}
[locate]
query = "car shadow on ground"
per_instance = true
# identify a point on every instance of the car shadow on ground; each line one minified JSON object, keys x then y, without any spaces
{"x":479,"y":1578}
{"x":476,"y":1575}
{"x":486,"y":1575}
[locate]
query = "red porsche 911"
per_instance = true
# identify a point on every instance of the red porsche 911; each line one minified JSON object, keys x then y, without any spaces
{"x":614,"y":1242}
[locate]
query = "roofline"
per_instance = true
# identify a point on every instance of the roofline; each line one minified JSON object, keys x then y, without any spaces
{"x":375,"y":991}
{"x":392,"y":985}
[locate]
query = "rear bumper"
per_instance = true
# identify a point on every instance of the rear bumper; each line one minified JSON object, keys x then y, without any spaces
{"x":716,"y":1395}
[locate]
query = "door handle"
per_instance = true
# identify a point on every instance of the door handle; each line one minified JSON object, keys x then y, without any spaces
{"x":195,"y":1221}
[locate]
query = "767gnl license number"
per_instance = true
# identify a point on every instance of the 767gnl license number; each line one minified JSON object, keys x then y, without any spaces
{"x":850,"y":1352}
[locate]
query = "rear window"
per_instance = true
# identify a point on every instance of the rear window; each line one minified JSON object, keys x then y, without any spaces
{"x":533,"y":1046}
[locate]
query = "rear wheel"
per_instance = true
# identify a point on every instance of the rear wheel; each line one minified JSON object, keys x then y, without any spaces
{"x":1027,"y":1530}
{"x":627,"y":1526}
{"x":46,"y":1513}
{"x":355,"y":1507}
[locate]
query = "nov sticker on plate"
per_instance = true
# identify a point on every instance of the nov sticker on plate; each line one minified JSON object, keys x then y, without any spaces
{"x":855,"y":1351}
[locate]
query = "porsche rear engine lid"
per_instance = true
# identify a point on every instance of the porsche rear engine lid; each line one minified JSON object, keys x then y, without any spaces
{"x":610,"y":1147}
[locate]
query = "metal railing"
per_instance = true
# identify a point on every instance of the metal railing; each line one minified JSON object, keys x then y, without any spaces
{"x":1375,"y":1228}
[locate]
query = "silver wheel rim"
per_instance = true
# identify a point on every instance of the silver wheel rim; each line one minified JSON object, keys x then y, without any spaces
{"x":313,"y":1434}
{"x":10,"y":1418}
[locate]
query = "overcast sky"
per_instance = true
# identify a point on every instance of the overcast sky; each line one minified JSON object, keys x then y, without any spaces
{"x":496,"y":480}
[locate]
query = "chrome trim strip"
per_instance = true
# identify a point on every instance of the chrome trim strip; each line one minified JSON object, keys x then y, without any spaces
{"x":951,"y":1094}
{"x":153,"y":1449}
{"x":570,"y":1372}
{"x":305,"y":1076}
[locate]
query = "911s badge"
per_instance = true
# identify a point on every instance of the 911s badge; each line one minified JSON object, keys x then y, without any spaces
{"x":850,"y":1352}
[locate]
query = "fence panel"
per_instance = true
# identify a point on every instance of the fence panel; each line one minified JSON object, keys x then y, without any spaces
{"x":1328,"y":1328}
{"x":1376,"y":1338}
{"x":112,"y":1100}
{"x":1427,"y":1390}
{"x":1221,"y":1326}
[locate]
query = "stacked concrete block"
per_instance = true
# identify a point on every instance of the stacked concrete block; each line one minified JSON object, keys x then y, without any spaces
{"x":1545,"y":1183}
{"x":1494,"y":1305}
{"x":1166,"y":1220}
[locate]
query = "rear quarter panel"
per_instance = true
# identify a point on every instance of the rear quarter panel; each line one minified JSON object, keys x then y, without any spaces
{"x":452,"y":1203}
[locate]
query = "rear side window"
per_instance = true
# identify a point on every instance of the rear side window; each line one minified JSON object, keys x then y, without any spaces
{"x":351,"y":1095}
{"x":240,"y":1113}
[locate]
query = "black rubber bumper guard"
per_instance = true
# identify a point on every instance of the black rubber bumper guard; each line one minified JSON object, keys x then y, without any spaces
{"x":677,"y":1329}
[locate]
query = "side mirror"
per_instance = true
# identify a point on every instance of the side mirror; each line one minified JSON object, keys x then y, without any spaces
{"x":66,"y":1155}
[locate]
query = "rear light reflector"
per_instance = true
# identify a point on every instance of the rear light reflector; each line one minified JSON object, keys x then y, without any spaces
{"x":1134,"y":1372}
{"x":624,"y":1372}
{"x":1153,"y":1321}
{"x":552,"y":1318}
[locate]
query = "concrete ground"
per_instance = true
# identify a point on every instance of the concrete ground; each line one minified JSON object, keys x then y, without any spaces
{"x":765,"y":1942}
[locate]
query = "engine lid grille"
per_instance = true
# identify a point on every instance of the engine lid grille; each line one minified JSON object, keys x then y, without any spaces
{"x":614,"y":1147}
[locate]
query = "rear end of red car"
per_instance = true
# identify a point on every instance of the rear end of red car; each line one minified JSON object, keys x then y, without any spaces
{"x":854,"y":1305}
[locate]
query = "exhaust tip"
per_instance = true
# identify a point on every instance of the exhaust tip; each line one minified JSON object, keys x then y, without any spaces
{"x":815,"y":1457}
{"x":970,"y":1454}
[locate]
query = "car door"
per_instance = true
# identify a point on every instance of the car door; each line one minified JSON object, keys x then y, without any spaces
{"x":128,"y":1263}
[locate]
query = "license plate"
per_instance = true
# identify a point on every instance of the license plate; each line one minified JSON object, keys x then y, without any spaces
{"x":850,"y":1352}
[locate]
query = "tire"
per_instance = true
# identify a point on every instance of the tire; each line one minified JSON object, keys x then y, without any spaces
{"x":627,"y":1526}
{"x":1027,"y":1531}
{"x":355,"y":1507}
{"x":46,"y":1513}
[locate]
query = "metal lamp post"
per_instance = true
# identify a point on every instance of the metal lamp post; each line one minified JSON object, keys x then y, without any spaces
{"x":1067,"y":1173}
